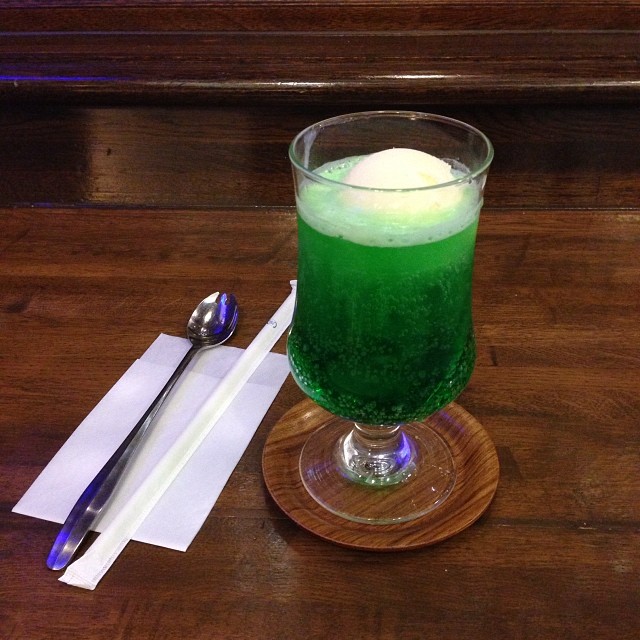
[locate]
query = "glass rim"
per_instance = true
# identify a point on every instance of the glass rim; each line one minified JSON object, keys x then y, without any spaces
{"x":393,"y":113}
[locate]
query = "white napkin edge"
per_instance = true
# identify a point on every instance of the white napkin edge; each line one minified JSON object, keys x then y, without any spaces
{"x":47,"y":498}
{"x":87,"y":571}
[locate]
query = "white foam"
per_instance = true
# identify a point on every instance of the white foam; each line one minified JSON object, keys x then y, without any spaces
{"x":389,"y":216}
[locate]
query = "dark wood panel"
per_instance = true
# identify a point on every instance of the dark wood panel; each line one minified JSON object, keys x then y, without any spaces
{"x":320,"y":15}
{"x":332,"y":68}
{"x":546,"y":156}
{"x":557,"y":555}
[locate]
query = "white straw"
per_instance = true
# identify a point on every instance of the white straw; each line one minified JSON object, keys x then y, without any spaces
{"x":90,"y":568}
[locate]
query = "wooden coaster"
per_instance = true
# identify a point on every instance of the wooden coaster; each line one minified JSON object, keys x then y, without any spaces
{"x":477,"y":471}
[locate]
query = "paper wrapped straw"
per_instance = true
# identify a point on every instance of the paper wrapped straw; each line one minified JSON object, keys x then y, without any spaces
{"x":87,"y":571}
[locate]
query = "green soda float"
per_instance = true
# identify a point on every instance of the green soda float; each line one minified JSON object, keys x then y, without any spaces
{"x":382,"y":332}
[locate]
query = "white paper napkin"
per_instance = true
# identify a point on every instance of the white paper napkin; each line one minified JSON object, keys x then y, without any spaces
{"x":181,"y":510}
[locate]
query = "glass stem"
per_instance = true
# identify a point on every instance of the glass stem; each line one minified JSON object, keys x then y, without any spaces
{"x":376,"y":454}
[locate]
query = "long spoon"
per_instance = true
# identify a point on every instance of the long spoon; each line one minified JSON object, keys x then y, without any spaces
{"x":212,"y":323}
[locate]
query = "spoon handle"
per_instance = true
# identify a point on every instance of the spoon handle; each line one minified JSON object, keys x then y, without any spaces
{"x":90,"y":504}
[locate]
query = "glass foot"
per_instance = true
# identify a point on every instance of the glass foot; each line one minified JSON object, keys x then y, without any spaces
{"x":377,"y":475}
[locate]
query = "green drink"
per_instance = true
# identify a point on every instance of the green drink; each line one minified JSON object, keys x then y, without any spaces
{"x":383,"y":331}
{"x":382,"y":336}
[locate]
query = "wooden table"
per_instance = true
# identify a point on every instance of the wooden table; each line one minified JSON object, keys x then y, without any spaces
{"x":143,"y":164}
{"x":556,"y":385}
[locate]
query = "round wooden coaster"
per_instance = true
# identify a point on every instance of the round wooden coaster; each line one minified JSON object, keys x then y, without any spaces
{"x":476,"y":481}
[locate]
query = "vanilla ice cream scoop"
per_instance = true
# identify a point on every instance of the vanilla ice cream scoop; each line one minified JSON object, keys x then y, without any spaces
{"x":399,"y":169}
{"x":395,"y":181}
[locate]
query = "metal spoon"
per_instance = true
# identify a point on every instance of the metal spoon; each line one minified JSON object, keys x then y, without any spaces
{"x":212,"y":323}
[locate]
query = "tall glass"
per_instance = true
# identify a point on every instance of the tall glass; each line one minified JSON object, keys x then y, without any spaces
{"x":382,"y":335}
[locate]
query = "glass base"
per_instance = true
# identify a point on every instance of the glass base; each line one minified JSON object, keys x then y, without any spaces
{"x":377,"y":474}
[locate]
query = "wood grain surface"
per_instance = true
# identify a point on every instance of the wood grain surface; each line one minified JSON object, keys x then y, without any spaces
{"x":315,"y":15}
{"x":212,"y":67}
{"x":547,"y":157}
{"x":556,"y":385}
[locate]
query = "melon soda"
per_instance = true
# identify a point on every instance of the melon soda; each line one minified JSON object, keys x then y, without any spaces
{"x":383,"y":332}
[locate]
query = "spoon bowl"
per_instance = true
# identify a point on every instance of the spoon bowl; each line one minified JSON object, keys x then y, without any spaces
{"x":213,"y":321}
